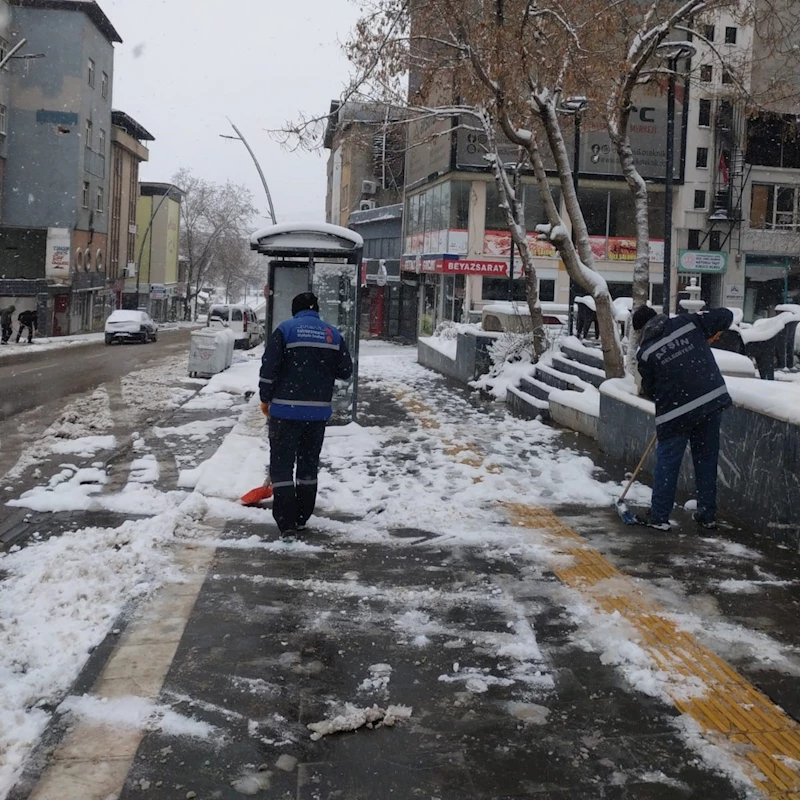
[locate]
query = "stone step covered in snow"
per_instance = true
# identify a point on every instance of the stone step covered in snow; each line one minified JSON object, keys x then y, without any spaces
{"x":548,"y":373}
{"x":574,"y":349}
{"x":535,"y":388}
{"x":589,"y":374}
{"x":526,"y":406}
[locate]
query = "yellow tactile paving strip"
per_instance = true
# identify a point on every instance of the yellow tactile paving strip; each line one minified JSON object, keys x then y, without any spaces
{"x":727,"y":706}
{"x":728,"y":709}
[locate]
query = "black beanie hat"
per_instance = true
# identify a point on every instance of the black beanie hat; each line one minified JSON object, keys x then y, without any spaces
{"x":642,"y":316}
{"x":305,"y":302}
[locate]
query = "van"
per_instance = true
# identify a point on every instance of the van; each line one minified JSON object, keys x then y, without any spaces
{"x":240,"y":319}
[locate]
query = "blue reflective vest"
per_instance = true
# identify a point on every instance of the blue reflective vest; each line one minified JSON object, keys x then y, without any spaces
{"x":303,"y":358}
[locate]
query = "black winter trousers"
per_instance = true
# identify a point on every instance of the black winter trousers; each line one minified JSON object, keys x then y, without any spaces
{"x":293,"y":442}
{"x":7,"y":331}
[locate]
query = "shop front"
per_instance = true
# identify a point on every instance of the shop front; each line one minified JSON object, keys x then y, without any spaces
{"x":444,"y":287}
{"x":769,"y":281}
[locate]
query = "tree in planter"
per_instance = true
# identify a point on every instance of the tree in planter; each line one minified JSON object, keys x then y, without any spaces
{"x":214,"y":219}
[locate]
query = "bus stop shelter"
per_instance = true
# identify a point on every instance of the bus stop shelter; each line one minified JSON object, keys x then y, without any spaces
{"x":324,"y":259}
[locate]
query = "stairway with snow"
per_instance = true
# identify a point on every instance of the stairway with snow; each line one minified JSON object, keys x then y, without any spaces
{"x":563,"y":387}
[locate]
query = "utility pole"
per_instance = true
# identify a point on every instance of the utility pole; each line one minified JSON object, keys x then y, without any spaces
{"x":241,"y":138}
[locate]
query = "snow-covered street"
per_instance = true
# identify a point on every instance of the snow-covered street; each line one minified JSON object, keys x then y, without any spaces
{"x":466,"y":574}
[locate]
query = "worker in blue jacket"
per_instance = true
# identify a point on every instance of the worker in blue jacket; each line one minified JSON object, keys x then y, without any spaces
{"x":680,"y":374}
{"x":302,"y":360}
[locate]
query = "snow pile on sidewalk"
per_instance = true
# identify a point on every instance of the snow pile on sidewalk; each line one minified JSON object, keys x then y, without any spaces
{"x":60,"y":598}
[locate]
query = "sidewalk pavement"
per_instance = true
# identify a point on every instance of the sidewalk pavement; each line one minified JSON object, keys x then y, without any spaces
{"x":463,"y":565}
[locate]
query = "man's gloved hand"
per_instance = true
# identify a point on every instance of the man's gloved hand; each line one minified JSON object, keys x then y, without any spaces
{"x":265,"y":409}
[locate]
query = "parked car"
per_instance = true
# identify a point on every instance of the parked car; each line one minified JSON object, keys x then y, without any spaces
{"x":239,"y":318}
{"x":130,"y":326}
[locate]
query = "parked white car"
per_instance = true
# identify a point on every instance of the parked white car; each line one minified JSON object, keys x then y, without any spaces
{"x":240,"y":319}
{"x":130,"y":326}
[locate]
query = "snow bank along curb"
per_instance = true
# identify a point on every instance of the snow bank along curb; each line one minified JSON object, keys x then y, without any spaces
{"x":759,"y":477}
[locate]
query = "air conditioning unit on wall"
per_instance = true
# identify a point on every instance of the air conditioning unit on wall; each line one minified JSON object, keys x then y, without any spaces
{"x":369,"y":187}
{"x":366,"y":205}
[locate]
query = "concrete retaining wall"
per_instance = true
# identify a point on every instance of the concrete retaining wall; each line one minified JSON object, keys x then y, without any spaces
{"x":579,"y":421}
{"x":472,"y":357}
{"x":759,"y":466}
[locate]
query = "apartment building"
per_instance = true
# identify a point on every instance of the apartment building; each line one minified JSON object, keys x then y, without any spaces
{"x":741,"y":198}
{"x":128,"y":151}
{"x":5,"y":48}
{"x":365,"y":187}
{"x":54,"y":220}
{"x":735,"y":205}
{"x":157,"y":285}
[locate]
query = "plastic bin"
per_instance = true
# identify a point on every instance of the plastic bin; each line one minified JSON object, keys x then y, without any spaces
{"x":210,"y":352}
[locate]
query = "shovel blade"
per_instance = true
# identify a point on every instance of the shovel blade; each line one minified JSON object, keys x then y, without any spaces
{"x":257,"y":495}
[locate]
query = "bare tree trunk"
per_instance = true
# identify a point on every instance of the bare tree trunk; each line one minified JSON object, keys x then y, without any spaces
{"x":579,"y":259}
{"x":515,"y":218}
{"x":638,"y":186}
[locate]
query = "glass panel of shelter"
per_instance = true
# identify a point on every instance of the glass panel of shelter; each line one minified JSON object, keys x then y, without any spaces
{"x":335,"y":285}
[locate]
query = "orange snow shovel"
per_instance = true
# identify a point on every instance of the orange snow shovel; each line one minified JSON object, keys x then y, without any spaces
{"x":257,"y":495}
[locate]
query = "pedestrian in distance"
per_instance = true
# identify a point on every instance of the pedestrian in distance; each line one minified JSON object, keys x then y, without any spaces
{"x":679,"y":373}
{"x":302,"y":360}
{"x":6,"y":315}
{"x":26,"y":319}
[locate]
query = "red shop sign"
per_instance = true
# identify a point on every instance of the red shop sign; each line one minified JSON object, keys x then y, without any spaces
{"x":497,"y":269}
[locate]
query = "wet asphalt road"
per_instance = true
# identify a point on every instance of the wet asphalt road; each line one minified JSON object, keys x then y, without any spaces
{"x":25,"y":385}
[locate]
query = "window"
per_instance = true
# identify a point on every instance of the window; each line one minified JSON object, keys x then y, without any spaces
{"x":459,"y":204}
{"x":701,"y":159}
{"x":104,"y":85}
{"x":86,"y":193}
{"x":99,"y":261}
{"x":534,"y":208}
{"x":4,"y":48}
{"x":693,"y":241}
{"x":100,"y":205}
{"x":774,"y":207}
{"x":497,"y":288}
{"x":3,"y":120}
{"x":79,"y":260}
{"x":699,"y":198}
{"x":88,"y":260}
{"x":706,"y":73}
{"x":612,"y":212}
{"x":730,"y":35}
{"x":91,"y":72}
{"x":102,"y":143}
{"x":704,"y":114}
{"x":715,"y":241}
{"x":773,"y":141}
{"x":547,"y":291}
{"x":726,"y":76}
{"x":708,"y":32}
{"x":89,"y":138}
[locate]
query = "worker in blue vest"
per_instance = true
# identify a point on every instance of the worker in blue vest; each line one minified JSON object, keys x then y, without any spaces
{"x":680,"y":374}
{"x":302,"y":360}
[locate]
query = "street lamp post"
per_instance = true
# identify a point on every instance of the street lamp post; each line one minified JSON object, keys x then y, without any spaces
{"x":240,"y":137}
{"x":575,"y":106}
{"x":674,"y":52}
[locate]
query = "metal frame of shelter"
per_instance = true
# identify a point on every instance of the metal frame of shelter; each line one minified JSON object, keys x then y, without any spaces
{"x":309,"y":245}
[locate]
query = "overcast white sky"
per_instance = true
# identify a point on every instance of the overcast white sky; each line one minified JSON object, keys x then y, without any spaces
{"x":187,"y":64}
